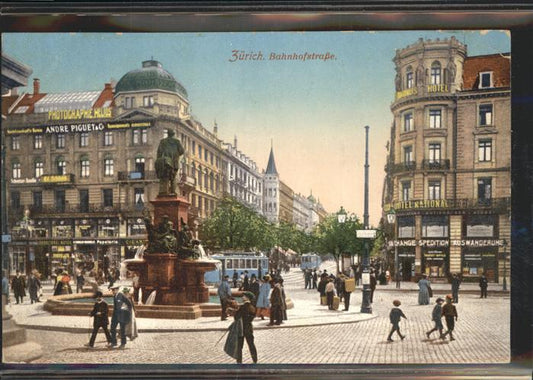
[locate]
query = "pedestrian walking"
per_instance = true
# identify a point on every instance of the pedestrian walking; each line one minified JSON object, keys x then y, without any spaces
{"x":263,"y":303}
{"x":450,"y":315}
{"x":436,"y":316}
{"x":423,"y":290}
{"x":373,"y":283}
{"x":100,"y":313}
{"x":131,"y":328}
{"x":315,"y":279}
{"x":111,"y":278}
{"x":122,"y":308}
{"x":483,"y":285}
{"x":34,"y":285}
{"x":456,"y":283}
{"x":395,"y":315}
{"x":398,"y":279}
{"x":235,"y":278}
{"x":80,"y":280}
{"x":224,"y":293}
{"x":283,"y":301}
{"x":330,"y":293}
{"x":348,"y":286}
{"x":338,"y":281}
{"x":135,"y":284}
{"x":242,"y":329}
{"x":254,"y":288}
{"x":246,"y":282}
{"x":18,"y":284}
{"x":307,"y":279}
{"x":276,"y":304}
{"x":5,"y":287}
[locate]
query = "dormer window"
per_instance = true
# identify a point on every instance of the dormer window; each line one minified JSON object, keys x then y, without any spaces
{"x":485,"y":79}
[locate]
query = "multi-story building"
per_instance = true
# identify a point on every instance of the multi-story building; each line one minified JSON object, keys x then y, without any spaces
{"x":301,"y":212}
{"x":244,"y":181}
{"x":448,"y":170}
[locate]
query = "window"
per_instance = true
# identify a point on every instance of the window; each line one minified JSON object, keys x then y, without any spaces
{"x":139,"y":136}
{"x":206,"y":180}
{"x":16,"y":172}
{"x":409,"y":78}
{"x":108,"y":138}
{"x":199,"y":151}
{"x":484,"y":190}
{"x":200,"y":176}
{"x":165,"y":133}
{"x":435,"y":73}
{"x":485,"y":79}
{"x":194,"y":147}
{"x":408,"y":154}
{"x":435,"y":118}
{"x":84,"y":139}
{"x":37,"y":141}
{"x":139,"y":164}
{"x":37,"y":200}
{"x":84,"y":200}
{"x":139,"y":197}
{"x":109,"y":167}
{"x":434,"y":152}
{"x":434,"y":226}
{"x":60,"y":140}
{"x":406,"y":190}
{"x":211,"y":157}
{"x":107,"y":195}
{"x":59,"y":197}
{"x":148,"y":101}
{"x":15,"y":199}
{"x":434,"y":189}
{"x":15,"y":142}
{"x":85,"y":167}
{"x":38,"y":167}
{"x":485,"y":114}
{"x":129,"y":102}
{"x":407,"y":121}
{"x":61,"y":166}
{"x":485,"y":150}
{"x":206,"y":153}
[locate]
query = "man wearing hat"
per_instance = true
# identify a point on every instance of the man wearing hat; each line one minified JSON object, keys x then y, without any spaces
{"x":450,"y":315}
{"x":224,"y":293}
{"x":100,"y":314}
{"x":436,"y":316}
{"x":122,"y":308}
{"x":246,"y":313}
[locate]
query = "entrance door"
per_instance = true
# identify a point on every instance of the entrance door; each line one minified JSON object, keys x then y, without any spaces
{"x":406,"y":269}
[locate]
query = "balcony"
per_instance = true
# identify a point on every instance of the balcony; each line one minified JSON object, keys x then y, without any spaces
{"x":408,"y":166}
{"x":149,"y":175}
{"x":436,"y":164}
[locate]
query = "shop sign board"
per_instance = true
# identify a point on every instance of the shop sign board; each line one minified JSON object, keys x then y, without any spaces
{"x":366,"y":234}
{"x":79,"y":127}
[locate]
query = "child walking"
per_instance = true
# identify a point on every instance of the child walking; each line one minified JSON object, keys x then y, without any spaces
{"x":99,"y":312}
{"x":450,"y":314}
{"x":395,"y":315}
{"x":436,"y":316}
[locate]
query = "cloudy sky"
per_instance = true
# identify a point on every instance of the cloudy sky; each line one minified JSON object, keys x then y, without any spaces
{"x":313,"y":111}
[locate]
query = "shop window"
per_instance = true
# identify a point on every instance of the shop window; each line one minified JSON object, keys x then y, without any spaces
{"x":85,"y":167}
{"x":38,"y":169}
{"x":108,"y":138}
{"x":406,"y":227}
{"x":15,"y":142}
{"x":434,"y":226}
{"x":84,"y":200}
{"x":136,"y":227}
{"x":408,"y":122}
{"x":485,"y":150}
{"x":60,"y":200}
{"x":485,"y":114}
{"x":37,"y":200}
{"x":485,"y":79}
{"x":107,"y":195}
{"x":109,"y":167}
{"x":434,"y":191}
{"x":484,"y":191}
{"x":60,"y":140}
{"x":435,"y":76}
{"x":16,"y":171}
{"x":435,"y":118}
{"x":37,"y":141}
{"x":108,"y":227}
{"x":84,"y":139}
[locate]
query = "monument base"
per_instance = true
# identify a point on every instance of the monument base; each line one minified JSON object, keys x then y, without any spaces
{"x":174,"y":206}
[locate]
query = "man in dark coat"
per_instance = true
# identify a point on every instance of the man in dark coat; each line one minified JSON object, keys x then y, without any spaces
{"x":276,"y":304}
{"x":373,"y":284}
{"x":235,"y":278}
{"x":246,"y":282}
{"x":450,"y":315}
{"x":345,"y":294}
{"x":254,"y":288}
{"x":483,"y":285}
{"x":122,"y":308}
{"x":33,"y":287}
{"x":224,"y":293}
{"x":456,"y":283}
{"x":246,"y":313}
{"x":100,"y":313}
{"x":18,"y":284}
{"x":395,"y":315}
{"x":315,"y":279}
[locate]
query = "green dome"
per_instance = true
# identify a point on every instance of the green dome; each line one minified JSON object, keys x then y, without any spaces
{"x":152,"y":76}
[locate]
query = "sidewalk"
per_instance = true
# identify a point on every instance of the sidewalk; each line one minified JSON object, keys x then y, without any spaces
{"x":466,"y":287}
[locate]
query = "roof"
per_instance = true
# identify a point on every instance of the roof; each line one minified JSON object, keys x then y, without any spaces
{"x":271,"y":166}
{"x":151,"y":76}
{"x":499,"y":64}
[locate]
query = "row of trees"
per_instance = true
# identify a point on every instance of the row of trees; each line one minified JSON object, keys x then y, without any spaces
{"x":233,"y":226}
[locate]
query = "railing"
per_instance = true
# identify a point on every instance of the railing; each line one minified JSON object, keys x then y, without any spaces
{"x":403,"y":167}
{"x":436,"y":164}
{"x":149,"y":175}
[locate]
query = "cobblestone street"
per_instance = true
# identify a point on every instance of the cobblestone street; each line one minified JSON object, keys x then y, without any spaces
{"x":482,"y":336}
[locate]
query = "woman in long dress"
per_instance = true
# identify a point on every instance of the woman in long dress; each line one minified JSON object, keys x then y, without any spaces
{"x":263,"y":302}
{"x":131,"y":328}
{"x":423,"y":290}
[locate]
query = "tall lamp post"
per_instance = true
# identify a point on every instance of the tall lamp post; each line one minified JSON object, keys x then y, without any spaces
{"x":341,"y":218}
{"x":366,"y":306}
{"x":391,"y":218}
{"x":504,"y":265}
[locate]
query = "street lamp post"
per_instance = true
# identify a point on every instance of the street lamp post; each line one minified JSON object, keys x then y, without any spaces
{"x":504,"y":265}
{"x":391,"y":218}
{"x":366,"y":306}
{"x":341,"y":218}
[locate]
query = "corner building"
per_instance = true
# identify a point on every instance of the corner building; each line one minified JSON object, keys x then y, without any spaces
{"x":448,"y":170}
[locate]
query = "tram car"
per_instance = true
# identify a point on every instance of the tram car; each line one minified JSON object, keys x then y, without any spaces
{"x":231,"y":262}
{"x":310,"y":261}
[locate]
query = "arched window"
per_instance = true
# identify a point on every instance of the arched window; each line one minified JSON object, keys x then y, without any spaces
{"x":436,"y":73}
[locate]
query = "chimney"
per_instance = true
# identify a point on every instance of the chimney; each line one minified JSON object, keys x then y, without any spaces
{"x":235,"y":141}
{"x":36,"y":86}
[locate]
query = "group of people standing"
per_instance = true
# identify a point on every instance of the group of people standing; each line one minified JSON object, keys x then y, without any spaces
{"x":331,"y":286}
{"x":19,"y":285}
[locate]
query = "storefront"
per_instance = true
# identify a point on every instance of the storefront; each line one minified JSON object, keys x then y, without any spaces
{"x":435,"y":262}
{"x":136,"y":227}
{"x":480,"y":261}
{"x":406,"y":262}
{"x":86,"y":228}
{"x":108,"y":227}
{"x":62,"y":228}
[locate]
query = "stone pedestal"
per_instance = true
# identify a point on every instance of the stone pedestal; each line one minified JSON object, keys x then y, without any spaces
{"x":174,"y":206}
{"x":159,"y":273}
{"x":191,"y":281}
{"x":15,"y":348}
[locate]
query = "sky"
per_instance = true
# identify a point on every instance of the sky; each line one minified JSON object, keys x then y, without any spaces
{"x":312,"y":112}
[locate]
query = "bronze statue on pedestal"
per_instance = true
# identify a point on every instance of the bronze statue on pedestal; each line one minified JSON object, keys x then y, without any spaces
{"x":167,"y":163}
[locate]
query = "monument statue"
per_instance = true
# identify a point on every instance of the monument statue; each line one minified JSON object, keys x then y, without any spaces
{"x":167,"y":163}
{"x":163,"y":238}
